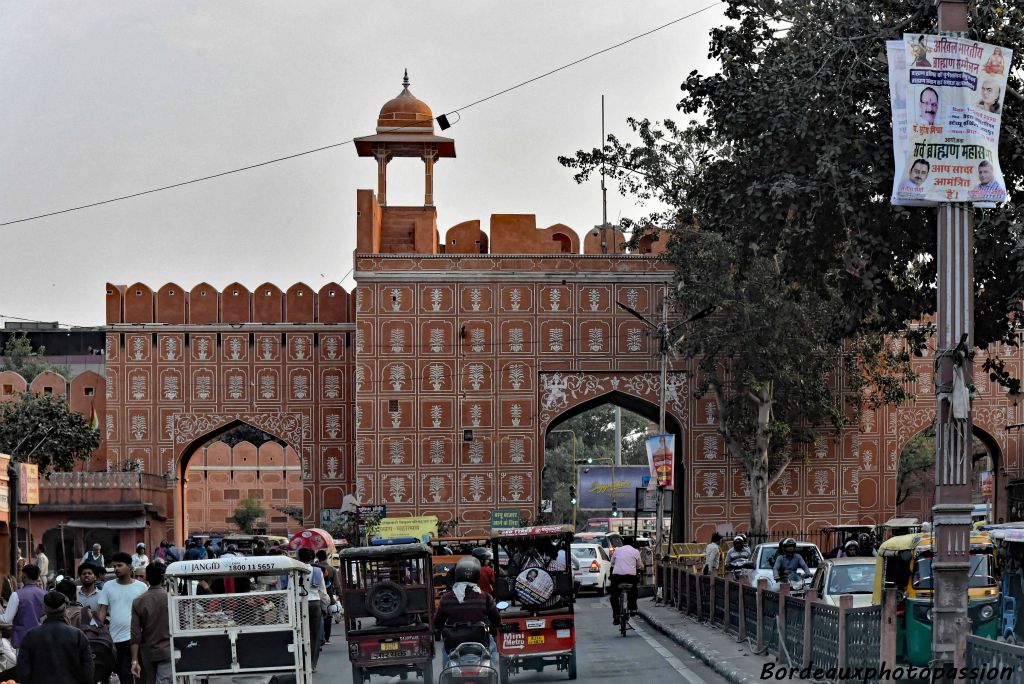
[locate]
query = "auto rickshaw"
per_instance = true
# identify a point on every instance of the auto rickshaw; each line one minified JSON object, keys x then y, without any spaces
{"x":387,"y":594}
{"x":837,"y":535}
{"x":447,"y":552}
{"x":245,"y":629}
{"x":539,"y":628}
{"x":1009,"y":538}
{"x":905,"y":562}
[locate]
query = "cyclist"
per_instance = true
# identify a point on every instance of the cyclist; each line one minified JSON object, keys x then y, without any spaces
{"x":626,"y":568}
{"x":788,"y":560}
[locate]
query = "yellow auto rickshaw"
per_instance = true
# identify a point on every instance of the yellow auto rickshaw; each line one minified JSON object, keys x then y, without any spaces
{"x":905,"y":562}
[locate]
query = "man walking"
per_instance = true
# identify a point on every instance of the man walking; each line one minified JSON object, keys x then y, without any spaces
{"x":55,"y":652}
{"x":43,"y":563}
{"x":332,"y":584}
{"x":25,"y":607}
{"x":88,"y":593}
{"x":316,"y":616}
{"x":95,"y":557}
{"x":116,"y":604}
{"x":151,"y":636}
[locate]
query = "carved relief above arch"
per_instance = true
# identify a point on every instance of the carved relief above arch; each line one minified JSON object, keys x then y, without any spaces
{"x":290,"y":427}
{"x":562,"y":390}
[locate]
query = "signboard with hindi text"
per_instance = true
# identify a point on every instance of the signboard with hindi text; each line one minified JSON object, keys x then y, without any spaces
{"x":28,"y":484}
{"x":421,"y":527}
{"x":947,"y":101}
{"x":504,"y":518}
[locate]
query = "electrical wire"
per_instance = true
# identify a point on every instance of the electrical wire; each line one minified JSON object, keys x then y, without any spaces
{"x":257,"y":165}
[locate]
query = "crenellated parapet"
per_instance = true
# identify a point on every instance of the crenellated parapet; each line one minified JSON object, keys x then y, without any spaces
{"x":234,"y":305}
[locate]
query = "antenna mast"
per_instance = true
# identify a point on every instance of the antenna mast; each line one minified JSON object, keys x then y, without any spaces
{"x":604,"y":191}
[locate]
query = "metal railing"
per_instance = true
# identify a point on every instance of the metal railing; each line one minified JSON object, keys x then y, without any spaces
{"x":992,"y":661}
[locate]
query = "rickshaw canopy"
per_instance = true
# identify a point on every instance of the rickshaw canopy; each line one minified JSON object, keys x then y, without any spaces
{"x":237,"y":565}
{"x":313,"y":538}
{"x":1006,"y":532}
{"x":414,"y":550}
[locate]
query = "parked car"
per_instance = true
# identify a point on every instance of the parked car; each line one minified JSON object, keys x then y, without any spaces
{"x":838,"y":576}
{"x":595,"y":567}
{"x":762,"y":562}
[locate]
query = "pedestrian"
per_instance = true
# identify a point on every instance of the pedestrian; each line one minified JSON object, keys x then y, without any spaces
{"x":260,"y":549}
{"x":55,"y":652}
{"x":140,"y":573}
{"x":116,"y":605}
{"x":485,"y":556}
{"x":73,"y":613}
{"x":161,"y":550}
{"x":95,"y":557}
{"x":43,"y":563}
{"x":206,"y":550}
{"x":192,"y":551}
{"x":139,"y":558}
{"x":316,"y":613}
{"x":88,"y":592}
{"x":151,"y":635}
{"x":332,"y":584}
{"x":713,"y":555}
{"x":25,"y":609}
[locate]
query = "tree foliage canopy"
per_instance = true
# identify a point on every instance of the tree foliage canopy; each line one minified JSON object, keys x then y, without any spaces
{"x":42,"y":429}
{"x":776,"y":192}
{"x":247,"y":513}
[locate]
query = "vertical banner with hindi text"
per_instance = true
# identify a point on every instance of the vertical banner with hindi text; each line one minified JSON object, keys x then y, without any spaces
{"x":949,"y":111}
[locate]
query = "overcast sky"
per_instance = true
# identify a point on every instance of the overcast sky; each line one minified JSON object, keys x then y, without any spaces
{"x":107,"y":97}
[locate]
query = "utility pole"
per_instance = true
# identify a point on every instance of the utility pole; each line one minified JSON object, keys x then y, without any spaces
{"x":954,"y":441}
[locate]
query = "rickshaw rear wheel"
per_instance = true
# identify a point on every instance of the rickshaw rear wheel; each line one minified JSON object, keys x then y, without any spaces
{"x":572,"y":665}
{"x":428,"y":673}
{"x":357,"y":675}
{"x":386,"y":600}
{"x":503,"y":670}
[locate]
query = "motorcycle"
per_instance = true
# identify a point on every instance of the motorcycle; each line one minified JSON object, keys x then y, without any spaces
{"x":470,"y":662}
{"x":798,"y":583}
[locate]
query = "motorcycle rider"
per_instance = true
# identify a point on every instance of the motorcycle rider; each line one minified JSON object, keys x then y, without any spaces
{"x":851,"y":549}
{"x":466,"y":613}
{"x":484,"y":555}
{"x":788,"y":561}
{"x":737,"y":555}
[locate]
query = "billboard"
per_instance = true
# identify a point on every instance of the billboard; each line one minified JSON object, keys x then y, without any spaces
{"x":661,"y":454}
{"x":596,"y":486}
{"x":28,"y":484}
{"x":947,"y":101}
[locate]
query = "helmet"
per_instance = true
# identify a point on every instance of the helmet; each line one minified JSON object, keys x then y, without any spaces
{"x":851,"y":544}
{"x":467,"y":570}
{"x":482,"y":553}
{"x":788,"y":542}
{"x":739,"y":539}
{"x":140,"y":545}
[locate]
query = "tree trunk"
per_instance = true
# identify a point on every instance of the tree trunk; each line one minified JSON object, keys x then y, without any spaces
{"x":757,"y":471}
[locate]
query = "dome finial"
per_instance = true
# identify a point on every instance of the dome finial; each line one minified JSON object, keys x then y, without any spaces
{"x":405,"y":79}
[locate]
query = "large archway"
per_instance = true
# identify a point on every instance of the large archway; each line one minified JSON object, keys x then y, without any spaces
{"x":915,"y":480}
{"x":279,"y":447}
{"x":649,"y":411}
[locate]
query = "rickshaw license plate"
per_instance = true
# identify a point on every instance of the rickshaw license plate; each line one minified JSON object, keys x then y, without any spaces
{"x":538,"y":639}
{"x":392,"y":646}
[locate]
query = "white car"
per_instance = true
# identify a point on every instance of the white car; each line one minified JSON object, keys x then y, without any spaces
{"x":762,"y":562}
{"x":838,"y":576}
{"x":595,"y":567}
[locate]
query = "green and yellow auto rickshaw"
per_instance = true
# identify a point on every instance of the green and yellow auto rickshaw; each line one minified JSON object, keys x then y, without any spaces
{"x":905,"y":562}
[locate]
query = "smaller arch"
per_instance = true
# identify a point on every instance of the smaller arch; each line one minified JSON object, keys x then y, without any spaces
{"x":138,"y":304}
{"x":332,"y":304}
{"x":49,"y":382}
{"x":300,"y":304}
{"x":170,"y":304}
{"x":203,"y":304}
{"x":236,"y":304}
{"x":11,"y":385}
{"x":267,"y":304}
{"x":115,"y":304}
{"x":88,"y":394}
{"x":564,"y":239}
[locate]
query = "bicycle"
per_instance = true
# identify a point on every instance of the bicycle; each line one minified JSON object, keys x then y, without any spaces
{"x":624,"y":608}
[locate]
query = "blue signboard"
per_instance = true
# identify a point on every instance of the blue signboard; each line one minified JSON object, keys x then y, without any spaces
{"x":595,"y":490}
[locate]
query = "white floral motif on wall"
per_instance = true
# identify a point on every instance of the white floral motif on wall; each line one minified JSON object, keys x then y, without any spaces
{"x":398,"y":377}
{"x":332,"y":386}
{"x":516,"y":375}
{"x":476,"y":340}
{"x":784,"y":483}
{"x":517,"y":450}
{"x":435,"y":485}
{"x":476,"y":375}
{"x":476,"y":487}
{"x":475,"y":414}
{"x":555,"y":299}
{"x":632,"y":297}
{"x":516,"y":487}
{"x":436,"y":340}
{"x":633,"y":343}
{"x":203,"y":348}
{"x":397,"y":340}
{"x":515,"y":299}
{"x":435,"y":299}
{"x":138,"y":348}
{"x":436,"y":451}
{"x":595,"y":340}
{"x":594,"y":297}
{"x":710,"y":483}
{"x":268,"y":386}
{"x":332,"y":467}
{"x":396,"y":299}
{"x":516,"y":413}
{"x":397,"y":489}
{"x":331,"y":347}
{"x":236,"y":386}
{"x":556,"y":339}
{"x":435,"y":376}
{"x":435,"y":415}
{"x":710,"y":448}
{"x":476,"y":453}
{"x":138,"y":386}
{"x":300,"y":348}
{"x":332,"y":425}
{"x":360,"y":341}
{"x":475,"y":299}
{"x":204,"y":387}
{"x":138,"y":426}
{"x":171,"y":348}
{"x":396,"y":418}
{"x":300,"y":386}
{"x":515,"y":340}
{"x":397,"y":452}
{"x":234,"y":348}
{"x":821,"y":481}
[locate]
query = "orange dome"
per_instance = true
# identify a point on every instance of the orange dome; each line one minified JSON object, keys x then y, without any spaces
{"x":405,"y":113}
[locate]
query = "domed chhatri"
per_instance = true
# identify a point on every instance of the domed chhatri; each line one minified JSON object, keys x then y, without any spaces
{"x":405,"y":113}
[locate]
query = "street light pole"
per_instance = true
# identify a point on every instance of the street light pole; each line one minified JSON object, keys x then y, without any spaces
{"x":951,"y":514}
{"x":575,"y":474}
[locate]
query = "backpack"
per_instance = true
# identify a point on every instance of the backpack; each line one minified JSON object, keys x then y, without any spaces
{"x":100,"y":643}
